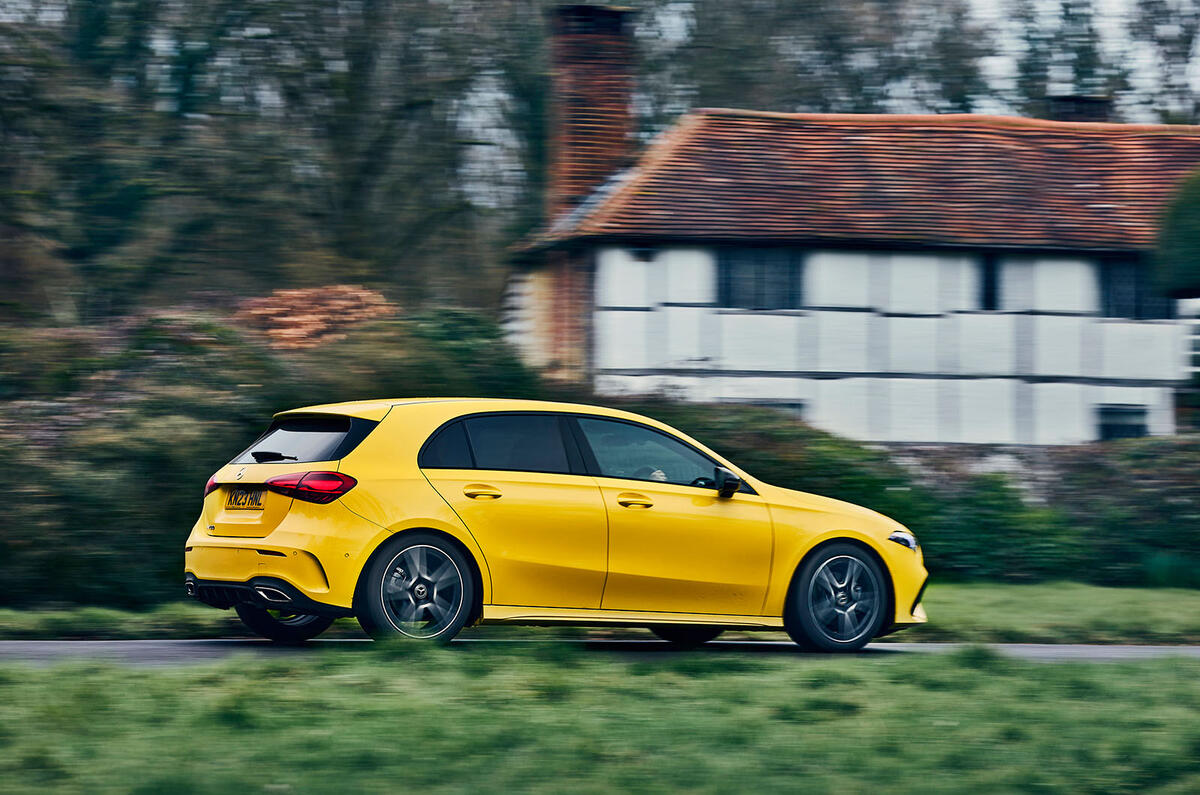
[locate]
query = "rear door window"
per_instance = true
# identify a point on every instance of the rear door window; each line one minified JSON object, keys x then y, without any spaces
{"x":307,"y":439}
{"x":522,"y":442}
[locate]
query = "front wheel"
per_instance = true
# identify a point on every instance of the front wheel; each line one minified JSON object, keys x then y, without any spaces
{"x":282,"y":626}
{"x":685,"y":637}
{"x":418,"y":586}
{"x":837,"y":601}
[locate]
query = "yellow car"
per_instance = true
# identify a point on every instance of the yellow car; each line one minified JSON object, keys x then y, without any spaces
{"x":421,"y":517}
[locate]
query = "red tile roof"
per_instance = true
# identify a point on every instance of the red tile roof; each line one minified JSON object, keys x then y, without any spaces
{"x":941,"y":180}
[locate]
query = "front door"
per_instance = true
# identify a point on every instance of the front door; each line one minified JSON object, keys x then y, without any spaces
{"x":542,"y":529}
{"x":674,"y":545}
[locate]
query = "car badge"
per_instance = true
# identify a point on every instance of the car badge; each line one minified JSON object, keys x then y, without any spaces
{"x":241,"y":472}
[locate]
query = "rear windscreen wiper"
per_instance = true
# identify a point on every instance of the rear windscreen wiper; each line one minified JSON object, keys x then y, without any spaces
{"x":262,"y":456}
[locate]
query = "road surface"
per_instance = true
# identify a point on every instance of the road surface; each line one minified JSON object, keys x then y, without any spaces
{"x":185,"y":652}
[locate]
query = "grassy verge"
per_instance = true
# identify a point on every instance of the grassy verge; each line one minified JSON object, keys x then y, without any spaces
{"x":1058,"y":613}
{"x":555,"y":717}
{"x":979,"y":613}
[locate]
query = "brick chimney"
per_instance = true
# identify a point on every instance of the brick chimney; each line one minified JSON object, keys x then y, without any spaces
{"x":1079,"y":107}
{"x":591,"y":124}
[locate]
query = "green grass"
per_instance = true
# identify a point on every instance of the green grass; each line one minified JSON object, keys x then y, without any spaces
{"x":983,"y":613}
{"x":1061,"y":612}
{"x":555,"y":717}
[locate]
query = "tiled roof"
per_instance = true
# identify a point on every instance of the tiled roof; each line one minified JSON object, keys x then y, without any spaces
{"x":949,"y":180}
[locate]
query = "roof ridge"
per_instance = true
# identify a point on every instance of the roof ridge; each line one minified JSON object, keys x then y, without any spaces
{"x":950,"y":120}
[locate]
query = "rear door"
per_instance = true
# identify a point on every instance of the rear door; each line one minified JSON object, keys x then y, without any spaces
{"x":674,"y":545}
{"x":241,"y":506}
{"x":516,"y":480}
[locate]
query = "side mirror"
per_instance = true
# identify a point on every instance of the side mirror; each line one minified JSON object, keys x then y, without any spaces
{"x":727,"y":483}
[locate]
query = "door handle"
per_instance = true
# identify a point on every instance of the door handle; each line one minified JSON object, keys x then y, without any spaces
{"x":480,"y":491}
{"x":632,"y":500}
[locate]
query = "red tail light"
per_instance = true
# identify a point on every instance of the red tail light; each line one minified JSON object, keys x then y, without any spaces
{"x":211,"y":486}
{"x":319,"y":487}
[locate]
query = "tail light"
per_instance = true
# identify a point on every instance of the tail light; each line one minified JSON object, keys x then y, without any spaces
{"x":211,"y":486}
{"x":319,"y":487}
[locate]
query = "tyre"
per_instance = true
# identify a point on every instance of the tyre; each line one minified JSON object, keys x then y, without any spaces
{"x":837,"y":601}
{"x":280,"y":625}
{"x":418,"y":586}
{"x":687,"y":637}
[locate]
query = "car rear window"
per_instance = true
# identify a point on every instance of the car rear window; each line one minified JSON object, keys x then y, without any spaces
{"x":307,"y":439}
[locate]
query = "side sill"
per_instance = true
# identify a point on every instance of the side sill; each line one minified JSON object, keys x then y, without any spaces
{"x":508,"y":614}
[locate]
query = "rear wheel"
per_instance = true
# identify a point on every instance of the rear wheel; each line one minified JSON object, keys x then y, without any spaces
{"x":688,"y":637}
{"x":419,"y":586}
{"x":837,"y":601}
{"x":280,"y":625}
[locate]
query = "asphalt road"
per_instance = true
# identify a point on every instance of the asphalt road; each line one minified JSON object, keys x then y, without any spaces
{"x":187,"y":652}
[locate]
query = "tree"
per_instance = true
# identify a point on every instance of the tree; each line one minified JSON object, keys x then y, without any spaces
{"x":1170,"y":28}
{"x":1178,"y":255}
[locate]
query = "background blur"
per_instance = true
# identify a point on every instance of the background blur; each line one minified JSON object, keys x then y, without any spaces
{"x":211,"y":211}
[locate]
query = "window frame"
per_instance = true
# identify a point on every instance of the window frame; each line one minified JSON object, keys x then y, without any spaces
{"x":1112,"y":411}
{"x":759,"y":258}
{"x":1141,"y":298}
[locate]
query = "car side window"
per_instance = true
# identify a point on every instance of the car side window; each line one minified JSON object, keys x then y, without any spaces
{"x":448,"y":449}
{"x":523,"y":442}
{"x":634,"y":452}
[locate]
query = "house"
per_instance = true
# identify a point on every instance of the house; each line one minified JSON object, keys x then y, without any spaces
{"x":922,"y":278}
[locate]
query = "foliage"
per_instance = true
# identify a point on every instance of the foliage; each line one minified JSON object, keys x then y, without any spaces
{"x":111,"y":471}
{"x":1178,"y":256}
{"x":550,"y":717}
{"x":114,"y":433}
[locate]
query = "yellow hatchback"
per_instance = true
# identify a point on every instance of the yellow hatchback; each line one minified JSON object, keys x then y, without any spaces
{"x":421,"y":517}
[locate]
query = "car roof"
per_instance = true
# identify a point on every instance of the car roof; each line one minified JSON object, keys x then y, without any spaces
{"x":378,"y":409}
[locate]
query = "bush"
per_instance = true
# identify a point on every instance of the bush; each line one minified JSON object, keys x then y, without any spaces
{"x":112,"y":469}
{"x":114,"y":435}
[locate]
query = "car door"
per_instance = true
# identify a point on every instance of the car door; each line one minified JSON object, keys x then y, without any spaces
{"x":517,"y":482}
{"x":674,"y":544}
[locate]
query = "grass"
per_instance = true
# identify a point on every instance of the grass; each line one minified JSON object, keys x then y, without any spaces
{"x":975,"y":613}
{"x":556,"y":717}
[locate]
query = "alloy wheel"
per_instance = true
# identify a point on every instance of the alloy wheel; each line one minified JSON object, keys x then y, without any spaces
{"x":422,"y":591}
{"x":844,"y":598}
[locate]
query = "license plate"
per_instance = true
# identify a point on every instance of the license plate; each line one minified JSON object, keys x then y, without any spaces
{"x":244,"y":499}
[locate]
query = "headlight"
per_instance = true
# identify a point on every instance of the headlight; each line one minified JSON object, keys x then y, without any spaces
{"x":904,"y":539}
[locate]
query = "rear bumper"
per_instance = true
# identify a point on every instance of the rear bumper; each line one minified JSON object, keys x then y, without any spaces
{"x":267,"y":592}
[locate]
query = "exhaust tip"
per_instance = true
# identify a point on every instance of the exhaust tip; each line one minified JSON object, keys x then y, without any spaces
{"x":190,"y":587}
{"x":272,"y":594}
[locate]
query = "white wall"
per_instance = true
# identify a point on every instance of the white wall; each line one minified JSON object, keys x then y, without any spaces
{"x":621,"y":280}
{"x":876,"y":321}
{"x":836,"y":278}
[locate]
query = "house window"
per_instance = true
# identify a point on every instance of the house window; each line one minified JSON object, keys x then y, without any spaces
{"x":1127,"y":290}
{"x":989,"y":283}
{"x":760,"y":278}
{"x":1122,"y":422}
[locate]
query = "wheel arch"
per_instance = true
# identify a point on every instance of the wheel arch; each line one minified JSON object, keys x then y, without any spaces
{"x":472,"y":566}
{"x":890,"y":590}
